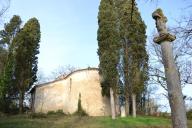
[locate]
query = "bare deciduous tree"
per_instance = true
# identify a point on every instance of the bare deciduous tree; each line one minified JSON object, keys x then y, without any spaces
{"x":4,"y":5}
{"x":62,"y":71}
{"x":182,"y":54}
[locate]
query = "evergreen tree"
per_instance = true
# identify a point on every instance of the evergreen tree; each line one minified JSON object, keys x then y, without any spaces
{"x":6,"y":37}
{"x":109,"y":45}
{"x":8,"y":89}
{"x":3,"y":56}
{"x":10,"y":30}
{"x":27,"y":42}
{"x":132,"y":34}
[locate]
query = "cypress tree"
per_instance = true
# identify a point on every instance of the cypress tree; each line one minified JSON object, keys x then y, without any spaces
{"x":10,"y":30}
{"x":6,"y":37}
{"x":8,"y":89}
{"x":3,"y":56}
{"x":139,"y":66}
{"x":132,"y":34}
{"x":27,"y":42}
{"x":109,"y":45}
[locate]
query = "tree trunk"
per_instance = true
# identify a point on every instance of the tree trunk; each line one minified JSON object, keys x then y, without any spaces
{"x":178,"y":111}
{"x":123,"y":113}
{"x":151,"y":112}
{"x":148,"y":105}
{"x":134,"y":105}
{"x":127,"y":106}
{"x":127,"y":86}
{"x":144,"y":105}
{"x":112,"y":103}
{"x":21,"y":98}
{"x":117,"y":106}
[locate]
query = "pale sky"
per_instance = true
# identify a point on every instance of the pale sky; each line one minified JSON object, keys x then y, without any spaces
{"x":69,"y":27}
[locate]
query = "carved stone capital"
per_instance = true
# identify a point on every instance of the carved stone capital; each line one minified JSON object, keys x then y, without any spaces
{"x":158,"y":15}
{"x":164,"y":37}
{"x":160,"y":21}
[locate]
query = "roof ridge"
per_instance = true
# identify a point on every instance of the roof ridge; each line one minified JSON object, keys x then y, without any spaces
{"x":78,"y":70}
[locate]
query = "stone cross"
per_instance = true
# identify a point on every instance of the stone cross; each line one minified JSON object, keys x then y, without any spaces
{"x":164,"y":38}
{"x":160,"y":21}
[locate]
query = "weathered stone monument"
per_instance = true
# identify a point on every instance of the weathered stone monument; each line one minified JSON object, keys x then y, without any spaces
{"x":176,"y":101}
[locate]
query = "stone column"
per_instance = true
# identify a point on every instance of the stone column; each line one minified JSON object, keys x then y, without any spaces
{"x":176,"y":101}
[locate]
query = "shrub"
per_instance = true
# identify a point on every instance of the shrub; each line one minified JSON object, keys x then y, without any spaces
{"x":13,"y":109}
{"x":50,"y":112}
{"x":80,"y":111}
{"x":37,"y":115}
{"x":189,"y":114}
{"x":59,"y":111}
{"x":2,"y":114}
{"x":8,"y":106}
{"x":165,"y":114}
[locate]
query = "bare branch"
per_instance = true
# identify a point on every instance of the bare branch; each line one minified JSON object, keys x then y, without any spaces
{"x":62,"y":71}
{"x":4,"y":7}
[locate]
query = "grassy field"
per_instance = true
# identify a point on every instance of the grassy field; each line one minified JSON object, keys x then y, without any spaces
{"x":60,"y":121}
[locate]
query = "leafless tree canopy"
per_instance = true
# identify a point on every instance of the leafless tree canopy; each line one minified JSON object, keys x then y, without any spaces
{"x":182,"y":48}
{"x":58,"y":73}
{"x":62,"y":71}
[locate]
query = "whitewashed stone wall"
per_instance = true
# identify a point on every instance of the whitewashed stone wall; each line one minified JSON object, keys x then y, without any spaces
{"x":64,"y":94}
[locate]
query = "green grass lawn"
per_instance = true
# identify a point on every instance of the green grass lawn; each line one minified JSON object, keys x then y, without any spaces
{"x":60,"y":121}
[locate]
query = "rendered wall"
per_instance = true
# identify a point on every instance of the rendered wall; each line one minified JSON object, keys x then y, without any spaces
{"x":64,"y":94}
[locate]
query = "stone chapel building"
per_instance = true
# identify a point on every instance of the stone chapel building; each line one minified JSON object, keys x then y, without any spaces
{"x":63,"y":94}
